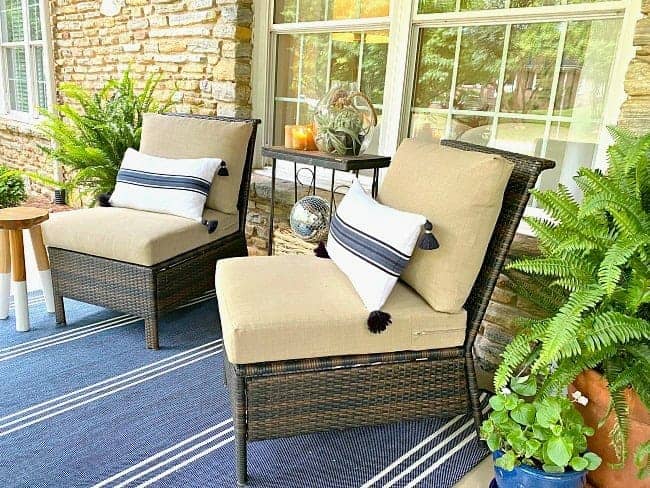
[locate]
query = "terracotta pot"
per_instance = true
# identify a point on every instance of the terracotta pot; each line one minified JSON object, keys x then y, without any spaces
{"x":594,"y":387}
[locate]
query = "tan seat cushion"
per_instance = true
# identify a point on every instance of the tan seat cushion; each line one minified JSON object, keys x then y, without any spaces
{"x":175,"y":137}
{"x":292,"y":307}
{"x":461,"y":193}
{"x":132,"y":236}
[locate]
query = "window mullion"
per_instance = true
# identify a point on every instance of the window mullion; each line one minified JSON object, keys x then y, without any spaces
{"x":360,"y":62}
{"x":502,"y":76}
{"x":454,"y":77}
{"x":29,"y":59}
{"x":556,"y":80}
{"x":301,"y":60}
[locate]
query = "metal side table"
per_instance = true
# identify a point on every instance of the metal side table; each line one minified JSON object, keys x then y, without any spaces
{"x":320,"y":160}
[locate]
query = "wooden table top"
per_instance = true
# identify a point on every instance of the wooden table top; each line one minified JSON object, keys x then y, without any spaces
{"x":15,"y":218}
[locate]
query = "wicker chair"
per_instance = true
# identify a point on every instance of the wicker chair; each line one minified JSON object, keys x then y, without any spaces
{"x":292,"y":397}
{"x":148,"y":291}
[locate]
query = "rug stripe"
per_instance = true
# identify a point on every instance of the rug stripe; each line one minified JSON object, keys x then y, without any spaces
{"x":201,"y":356}
{"x":440,"y":461}
{"x":108,"y":380}
{"x":175,"y":457}
{"x":76,"y":333}
{"x":433,"y":451}
{"x":186,"y":462}
{"x":413,"y":450}
{"x":162,"y":453}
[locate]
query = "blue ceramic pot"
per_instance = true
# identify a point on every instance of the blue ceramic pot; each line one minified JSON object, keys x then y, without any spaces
{"x":527,"y":477}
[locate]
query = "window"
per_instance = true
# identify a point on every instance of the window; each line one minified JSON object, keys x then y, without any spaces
{"x":540,"y":77}
{"x":23,"y":61}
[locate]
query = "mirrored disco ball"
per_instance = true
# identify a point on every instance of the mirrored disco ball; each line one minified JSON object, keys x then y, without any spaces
{"x":309,"y":218}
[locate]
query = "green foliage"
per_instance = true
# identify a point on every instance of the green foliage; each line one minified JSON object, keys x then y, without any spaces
{"x":593,"y":280}
{"x":92,"y":132}
{"x":12,"y":188}
{"x":547,"y":433}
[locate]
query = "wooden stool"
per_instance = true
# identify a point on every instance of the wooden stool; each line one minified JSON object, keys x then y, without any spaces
{"x":12,"y":261}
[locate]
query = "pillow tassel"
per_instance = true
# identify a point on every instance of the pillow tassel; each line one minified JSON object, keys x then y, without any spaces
{"x":223,"y":169}
{"x":428,"y":241}
{"x":104,"y":200}
{"x":211,"y":225}
{"x":378,"y":321}
{"x":321,"y":251}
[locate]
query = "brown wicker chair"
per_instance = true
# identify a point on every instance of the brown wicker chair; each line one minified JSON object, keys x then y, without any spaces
{"x":149,"y":291}
{"x":286,"y":398}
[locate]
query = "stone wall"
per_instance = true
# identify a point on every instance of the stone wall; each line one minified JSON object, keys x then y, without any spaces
{"x":201,"y":49}
{"x":635,"y":113}
{"x":19,"y":149}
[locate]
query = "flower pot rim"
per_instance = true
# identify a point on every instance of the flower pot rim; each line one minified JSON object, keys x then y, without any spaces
{"x":543,"y":474}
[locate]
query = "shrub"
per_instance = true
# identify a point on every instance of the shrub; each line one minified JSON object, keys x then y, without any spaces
{"x":12,"y":188}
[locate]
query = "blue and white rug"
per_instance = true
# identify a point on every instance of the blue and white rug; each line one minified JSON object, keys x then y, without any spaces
{"x":88,"y":405}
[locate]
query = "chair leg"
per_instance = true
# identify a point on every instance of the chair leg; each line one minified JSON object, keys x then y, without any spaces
{"x":241,"y":459}
{"x":240,"y":423}
{"x":151,"y":332}
{"x":473,"y":391}
{"x":59,"y":310}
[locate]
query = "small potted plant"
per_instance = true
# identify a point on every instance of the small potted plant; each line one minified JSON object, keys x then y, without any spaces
{"x":540,"y":443}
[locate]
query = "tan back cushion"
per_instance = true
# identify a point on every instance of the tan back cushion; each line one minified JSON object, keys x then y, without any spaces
{"x":461,"y":193}
{"x":170,"y":136}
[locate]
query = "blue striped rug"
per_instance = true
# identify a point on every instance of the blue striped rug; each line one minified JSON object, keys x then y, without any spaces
{"x":88,"y":405}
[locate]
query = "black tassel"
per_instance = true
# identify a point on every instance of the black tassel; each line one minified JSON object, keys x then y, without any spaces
{"x":378,"y":321}
{"x":428,"y":241}
{"x":211,"y":225}
{"x":223,"y":169}
{"x":321,"y":251}
{"x":104,"y":200}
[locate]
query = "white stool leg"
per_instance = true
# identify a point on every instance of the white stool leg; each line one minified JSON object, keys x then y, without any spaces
{"x":48,"y":291}
{"x":5,"y":274}
{"x":43,"y":264}
{"x":19,"y":278}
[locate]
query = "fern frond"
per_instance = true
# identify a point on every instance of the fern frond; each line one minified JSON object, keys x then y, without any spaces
{"x":615,"y":328}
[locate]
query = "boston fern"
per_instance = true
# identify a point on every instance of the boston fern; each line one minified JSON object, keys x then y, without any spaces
{"x":91,"y":133}
{"x":594,"y":272}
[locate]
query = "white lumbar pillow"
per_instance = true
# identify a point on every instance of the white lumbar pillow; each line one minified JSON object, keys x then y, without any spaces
{"x":170,"y":186}
{"x":372,"y":244}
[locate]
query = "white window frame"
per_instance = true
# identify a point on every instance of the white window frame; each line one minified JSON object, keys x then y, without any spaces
{"x":29,"y":45}
{"x":404,"y":25}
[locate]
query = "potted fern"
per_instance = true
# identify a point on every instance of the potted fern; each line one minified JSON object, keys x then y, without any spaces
{"x":91,"y":133}
{"x":594,"y":269}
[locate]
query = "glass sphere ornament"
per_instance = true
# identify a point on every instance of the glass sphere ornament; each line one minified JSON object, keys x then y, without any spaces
{"x":344,"y":121}
{"x":309,"y":218}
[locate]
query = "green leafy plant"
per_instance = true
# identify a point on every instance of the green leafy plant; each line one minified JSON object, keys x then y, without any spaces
{"x":12,"y":188}
{"x":594,"y":282}
{"x":547,"y":434}
{"x":91,"y":133}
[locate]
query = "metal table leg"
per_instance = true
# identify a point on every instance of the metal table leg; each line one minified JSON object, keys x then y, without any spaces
{"x":332,"y":194}
{"x":375,"y":183}
{"x":272,"y":211}
{"x":295,"y":182}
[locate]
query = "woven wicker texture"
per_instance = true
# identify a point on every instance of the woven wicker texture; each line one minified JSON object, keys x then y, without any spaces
{"x":295,"y":397}
{"x":148,"y":291}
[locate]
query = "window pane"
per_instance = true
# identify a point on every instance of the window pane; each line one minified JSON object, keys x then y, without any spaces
{"x":41,"y":84}
{"x":435,"y":67}
{"x":12,"y":21}
{"x":478,"y":68}
{"x":532,"y":55}
{"x":428,"y":126}
{"x":436,"y":6}
{"x":524,"y":136}
{"x":481,"y":4}
{"x":373,"y":69}
{"x":345,"y":57}
{"x":35,"y":20}
{"x":314,"y":10}
{"x":586,"y":64}
{"x":471,"y":128}
{"x":17,"y":78}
